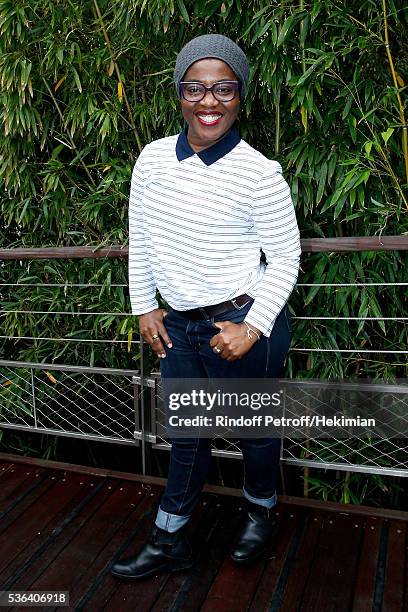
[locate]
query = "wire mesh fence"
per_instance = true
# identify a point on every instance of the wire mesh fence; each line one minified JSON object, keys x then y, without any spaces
{"x":385,"y":452}
{"x":387,"y":456}
{"x":123,"y":407}
{"x":90,"y":403}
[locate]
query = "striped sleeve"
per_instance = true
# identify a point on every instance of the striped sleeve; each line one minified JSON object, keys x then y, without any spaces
{"x":142,"y":287}
{"x":275,"y":223}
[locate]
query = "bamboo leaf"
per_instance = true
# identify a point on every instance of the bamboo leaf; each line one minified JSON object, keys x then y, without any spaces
{"x":77,"y":80}
{"x":322,"y":182}
{"x":60,"y":82}
{"x":386,"y":135}
{"x":304,"y":117}
{"x":51,"y":377}
{"x":183,"y":11}
{"x":311,"y":69}
{"x":285,"y":30}
{"x":339,"y":206}
{"x":259,"y":33}
{"x":347,"y":107}
{"x":305,"y":29}
{"x":368,"y":145}
{"x":130,"y":338}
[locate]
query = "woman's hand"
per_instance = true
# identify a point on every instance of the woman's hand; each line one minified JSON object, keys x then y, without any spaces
{"x":152,"y":328}
{"x":232,"y":342}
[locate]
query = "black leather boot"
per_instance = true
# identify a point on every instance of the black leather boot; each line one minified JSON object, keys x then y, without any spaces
{"x":260,"y":525}
{"x":164,"y":552}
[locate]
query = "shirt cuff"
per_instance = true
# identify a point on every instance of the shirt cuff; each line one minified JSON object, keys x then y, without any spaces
{"x":264,"y":326}
{"x":140,"y":309}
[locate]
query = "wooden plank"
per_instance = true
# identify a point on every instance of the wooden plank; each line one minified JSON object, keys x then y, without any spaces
{"x":300,"y":568}
{"x":405,"y":604}
{"x":76,"y":553}
{"x":331,"y":579}
{"x":367,"y":568}
{"x":15,"y":507}
{"x":355,"y":510}
{"x":235,"y":584}
{"x":395,"y":566}
{"x":15,"y":481}
{"x":308,"y":245}
{"x":290,"y":529}
{"x":354,"y":244}
{"x":84,"y":469}
{"x":88,"y":541}
{"x":38,"y":519}
{"x":76,"y":252}
{"x":63,"y":536}
{"x":218,"y":490}
{"x":4,"y":467}
{"x":96,"y":585}
{"x":35,"y":529}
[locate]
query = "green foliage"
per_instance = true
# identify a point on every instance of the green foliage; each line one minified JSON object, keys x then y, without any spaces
{"x":81,"y":94}
{"x":321,"y":100}
{"x":356,"y":488}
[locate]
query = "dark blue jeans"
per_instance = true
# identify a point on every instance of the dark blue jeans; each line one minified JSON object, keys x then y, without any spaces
{"x":193,"y":357}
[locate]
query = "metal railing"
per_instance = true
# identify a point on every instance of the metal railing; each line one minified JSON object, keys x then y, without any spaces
{"x":356,"y":454}
{"x":120,"y":406}
{"x":78,"y":402}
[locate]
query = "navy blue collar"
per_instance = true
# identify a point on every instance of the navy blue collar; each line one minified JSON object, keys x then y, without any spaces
{"x":213,"y":153}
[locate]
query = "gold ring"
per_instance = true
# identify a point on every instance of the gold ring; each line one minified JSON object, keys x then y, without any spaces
{"x":155,"y":337}
{"x":217,"y":350}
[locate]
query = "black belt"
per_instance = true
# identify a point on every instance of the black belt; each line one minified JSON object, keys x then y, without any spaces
{"x":207,"y":312}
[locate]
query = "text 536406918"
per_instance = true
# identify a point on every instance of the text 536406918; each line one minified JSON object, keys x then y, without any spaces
{"x":34,"y":598}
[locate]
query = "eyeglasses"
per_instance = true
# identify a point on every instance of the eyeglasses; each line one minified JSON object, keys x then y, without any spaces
{"x":224,"y":91}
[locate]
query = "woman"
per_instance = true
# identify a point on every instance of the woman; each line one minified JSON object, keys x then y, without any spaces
{"x":202,"y":205}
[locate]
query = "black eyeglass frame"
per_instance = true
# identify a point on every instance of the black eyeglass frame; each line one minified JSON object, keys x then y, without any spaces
{"x":237,"y":89}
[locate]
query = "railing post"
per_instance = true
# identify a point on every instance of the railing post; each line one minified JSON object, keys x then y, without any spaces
{"x":33,"y":395}
{"x":144,"y":419}
{"x":142,"y":404}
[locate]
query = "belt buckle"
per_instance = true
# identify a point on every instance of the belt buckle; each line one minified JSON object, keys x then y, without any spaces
{"x":239,"y":307}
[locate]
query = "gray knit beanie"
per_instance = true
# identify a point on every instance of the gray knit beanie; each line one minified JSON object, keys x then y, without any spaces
{"x":219,"y":47}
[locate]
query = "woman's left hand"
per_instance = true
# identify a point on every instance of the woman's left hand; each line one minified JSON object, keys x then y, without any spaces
{"x":232,"y":342}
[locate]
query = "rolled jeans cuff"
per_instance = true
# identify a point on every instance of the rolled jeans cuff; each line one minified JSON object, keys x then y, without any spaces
{"x":170,"y":522}
{"x":269,"y":502}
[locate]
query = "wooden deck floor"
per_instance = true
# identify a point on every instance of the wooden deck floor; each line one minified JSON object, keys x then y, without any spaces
{"x":62,"y":526}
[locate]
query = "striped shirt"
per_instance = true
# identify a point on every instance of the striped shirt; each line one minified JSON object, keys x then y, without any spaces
{"x":197,"y":223}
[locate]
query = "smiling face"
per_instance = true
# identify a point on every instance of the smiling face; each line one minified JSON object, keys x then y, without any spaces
{"x":209,"y":119}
